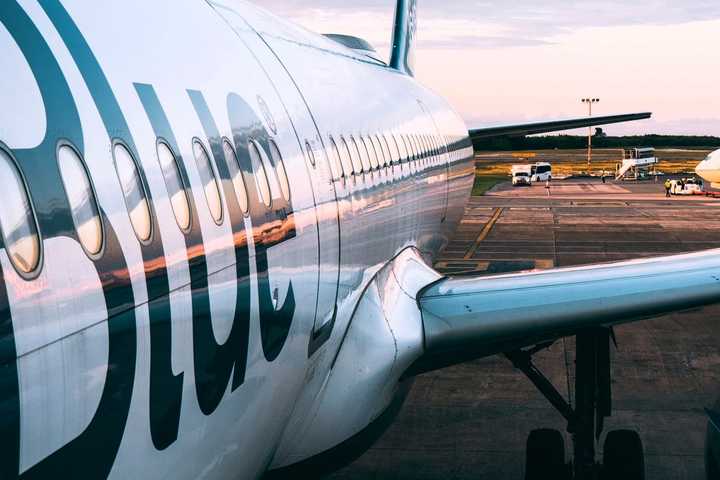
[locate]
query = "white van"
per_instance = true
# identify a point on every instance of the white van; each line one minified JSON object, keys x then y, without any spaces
{"x":541,"y":172}
{"x":521,"y":175}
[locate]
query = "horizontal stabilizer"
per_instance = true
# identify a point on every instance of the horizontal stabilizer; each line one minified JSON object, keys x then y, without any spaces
{"x":471,"y":317}
{"x":553,"y":126}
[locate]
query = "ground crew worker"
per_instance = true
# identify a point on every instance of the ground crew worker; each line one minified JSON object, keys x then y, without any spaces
{"x":667,"y":187}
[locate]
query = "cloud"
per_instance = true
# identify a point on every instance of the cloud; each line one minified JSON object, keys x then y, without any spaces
{"x":526,"y":22}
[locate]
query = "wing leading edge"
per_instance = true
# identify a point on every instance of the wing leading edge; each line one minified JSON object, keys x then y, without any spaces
{"x":554,"y":126}
{"x":471,"y":317}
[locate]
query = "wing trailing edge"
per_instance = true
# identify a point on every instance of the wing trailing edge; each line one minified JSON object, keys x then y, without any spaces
{"x":471,"y":317}
{"x":553,"y":126}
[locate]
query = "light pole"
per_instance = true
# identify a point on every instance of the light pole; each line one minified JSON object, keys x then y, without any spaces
{"x":590,"y":102}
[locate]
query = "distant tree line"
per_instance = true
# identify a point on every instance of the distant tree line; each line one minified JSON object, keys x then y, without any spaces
{"x":600,"y":140}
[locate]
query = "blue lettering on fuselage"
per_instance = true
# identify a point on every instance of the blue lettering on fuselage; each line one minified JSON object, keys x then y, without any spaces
{"x":93,"y":452}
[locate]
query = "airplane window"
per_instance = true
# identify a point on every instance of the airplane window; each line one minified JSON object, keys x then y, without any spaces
{"x":372,"y":154}
{"x":311,"y":154}
{"x":426,"y":148}
{"x":261,"y":180}
{"x":236,"y":175}
{"x":413,"y":147}
{"x":402,"y":148}
{"x":378,"y":151}
{"x":132,"y":187}
{"x":355,"y":156}
{"x":416,"y":153}
{"x":81,"y":197}
{"x":364,"y":155}
{"x":17,"y":219}
{"x":335,"y":162}
{"x":209,"y":180}
{"x":175,"y":185}
{"x":407,"y":147}
{"x":386,"y":149}
{"x":277,"y":161}
{"x":345,"y":158}
{"x":395,"y":149}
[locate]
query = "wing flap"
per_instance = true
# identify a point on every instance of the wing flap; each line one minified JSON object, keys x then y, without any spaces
{"x":468,"y":317}
{"x":553,"y":126}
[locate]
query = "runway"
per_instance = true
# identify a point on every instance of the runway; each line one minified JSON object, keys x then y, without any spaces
{"x":471,"y":421}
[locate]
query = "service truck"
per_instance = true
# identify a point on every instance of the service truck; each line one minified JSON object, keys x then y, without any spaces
{"x":521,"y":174}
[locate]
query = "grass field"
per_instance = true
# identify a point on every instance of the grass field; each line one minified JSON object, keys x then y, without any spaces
{"x":574,"y":162}
{"x":483,"y":183}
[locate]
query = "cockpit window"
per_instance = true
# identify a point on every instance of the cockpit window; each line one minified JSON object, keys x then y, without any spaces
{"x":17,"y":220}
{"x":135,"y":196}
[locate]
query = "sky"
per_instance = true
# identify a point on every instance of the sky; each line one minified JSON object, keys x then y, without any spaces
{"x":501,"y":62}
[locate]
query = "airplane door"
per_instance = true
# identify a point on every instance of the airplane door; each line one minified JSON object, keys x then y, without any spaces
{"x":318,"y":166}
{"x":329,"y":230}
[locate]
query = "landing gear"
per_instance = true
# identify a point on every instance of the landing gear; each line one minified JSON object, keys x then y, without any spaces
{"x":545,"y":456}
{"x":623,"y":457}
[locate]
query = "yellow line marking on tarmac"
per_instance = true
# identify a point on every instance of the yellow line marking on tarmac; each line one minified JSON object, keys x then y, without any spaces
{"x":484,"y":233}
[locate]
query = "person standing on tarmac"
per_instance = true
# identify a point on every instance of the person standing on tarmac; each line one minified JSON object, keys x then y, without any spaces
{"x":667,"y":187}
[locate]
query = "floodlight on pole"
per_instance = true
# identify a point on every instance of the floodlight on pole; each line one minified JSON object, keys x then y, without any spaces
{"x":590,"y":102}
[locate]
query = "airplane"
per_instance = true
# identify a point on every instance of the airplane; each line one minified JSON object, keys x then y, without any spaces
{"x":217,"y":250}
{"x":709,"y":169}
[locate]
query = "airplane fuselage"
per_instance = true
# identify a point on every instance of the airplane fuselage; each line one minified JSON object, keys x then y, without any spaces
{"x":709,"y":168}
{"x":172,"y":305}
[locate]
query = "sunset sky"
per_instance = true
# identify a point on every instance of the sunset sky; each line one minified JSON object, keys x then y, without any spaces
{"x":502,"y":62}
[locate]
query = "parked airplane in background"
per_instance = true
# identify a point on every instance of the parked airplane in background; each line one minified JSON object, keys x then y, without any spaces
{"x":709,"y":169}
{"x":217,"y":238}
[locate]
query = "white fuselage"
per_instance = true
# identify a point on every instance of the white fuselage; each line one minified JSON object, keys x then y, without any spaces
{"x":709,"y":169}
{"x":206,"y":351}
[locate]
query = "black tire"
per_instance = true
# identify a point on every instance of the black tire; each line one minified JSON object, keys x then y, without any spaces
{"x":712,"y":470}
{"x":545,"y":455}
{"x":623,"y":456}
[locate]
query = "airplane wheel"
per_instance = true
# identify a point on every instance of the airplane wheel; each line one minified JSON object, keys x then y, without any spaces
{"x":545,"y":456}
{"x":711,"y":467}
{"x":623,"y":456}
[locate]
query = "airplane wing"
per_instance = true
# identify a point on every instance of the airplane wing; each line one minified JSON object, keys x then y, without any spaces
{"x":470,"y":317}
{"x":553,"y":126}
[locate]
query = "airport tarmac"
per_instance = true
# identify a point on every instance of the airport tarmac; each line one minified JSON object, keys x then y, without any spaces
{"x":471,"y":421}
